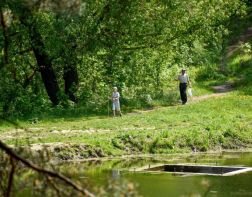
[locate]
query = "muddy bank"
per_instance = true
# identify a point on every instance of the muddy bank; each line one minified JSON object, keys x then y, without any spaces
{"x":70,"y":151}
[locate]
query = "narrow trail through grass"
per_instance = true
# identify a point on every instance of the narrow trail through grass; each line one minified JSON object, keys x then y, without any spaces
{"x":221,"y":90}
{"x":211,"y":122}
{"x":245,"y":37}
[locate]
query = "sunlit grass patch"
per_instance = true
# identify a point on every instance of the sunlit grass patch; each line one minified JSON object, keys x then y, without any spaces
{"x":223,"y":122}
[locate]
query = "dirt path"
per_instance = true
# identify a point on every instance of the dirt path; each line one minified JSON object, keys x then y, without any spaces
{"x":234,"y":46}
{"x":246,"y":36}
{"x":208,"y":96}
{"x":220,"y":90}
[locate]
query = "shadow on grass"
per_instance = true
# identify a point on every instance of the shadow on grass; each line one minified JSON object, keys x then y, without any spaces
{"x":70,"y":113}
{"x":79,"y":111}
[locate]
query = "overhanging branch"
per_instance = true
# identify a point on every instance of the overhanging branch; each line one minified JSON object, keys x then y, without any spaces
{"x":36,"y":168}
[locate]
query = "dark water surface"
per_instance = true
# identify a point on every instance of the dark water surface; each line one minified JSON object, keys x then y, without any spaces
{"x":167,"y":184}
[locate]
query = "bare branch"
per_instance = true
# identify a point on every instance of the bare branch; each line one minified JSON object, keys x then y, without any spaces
{"x":29,"y":78}
{"x":11,"y":177}
{"x":36,"y":168}
{"x":49,"y":180}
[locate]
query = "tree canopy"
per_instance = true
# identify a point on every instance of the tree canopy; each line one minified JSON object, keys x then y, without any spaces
{"x":55,"y":51}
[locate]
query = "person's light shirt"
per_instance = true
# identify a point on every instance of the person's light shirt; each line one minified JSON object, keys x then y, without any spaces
{"x":183,"y":78}
{"x":115,"y":97}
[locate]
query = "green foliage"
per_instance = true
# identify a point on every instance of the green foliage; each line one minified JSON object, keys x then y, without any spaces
{"x":239,"y":67}
{"x":137,"y":46}
{"x":210,"y":72}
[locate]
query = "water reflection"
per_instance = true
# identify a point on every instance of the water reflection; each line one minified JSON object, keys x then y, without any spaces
{"x":115,"y":174}
{"x":163,"y":185}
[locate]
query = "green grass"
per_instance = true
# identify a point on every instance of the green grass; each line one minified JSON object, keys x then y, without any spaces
{"x":206,"y":125}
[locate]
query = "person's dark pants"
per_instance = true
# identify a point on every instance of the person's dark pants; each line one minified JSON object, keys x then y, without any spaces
{"x":182,"y":89}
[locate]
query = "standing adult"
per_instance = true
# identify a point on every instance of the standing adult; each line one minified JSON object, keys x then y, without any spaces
{"x":183,"y":83}
{"x":116,"y":102}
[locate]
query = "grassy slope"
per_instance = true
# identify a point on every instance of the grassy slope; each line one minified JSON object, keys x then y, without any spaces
{"x":223,"y":122}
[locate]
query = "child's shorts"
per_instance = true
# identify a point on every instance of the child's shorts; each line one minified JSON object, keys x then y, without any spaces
{"x":116,"y":106}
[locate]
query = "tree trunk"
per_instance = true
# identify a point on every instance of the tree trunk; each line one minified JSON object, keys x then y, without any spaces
{"x":45,"y":66}
{"x":71,"y":81}
{"x":5,"y":38}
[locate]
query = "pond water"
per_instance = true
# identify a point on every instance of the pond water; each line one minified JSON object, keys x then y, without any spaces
{"x":168,"y":184}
